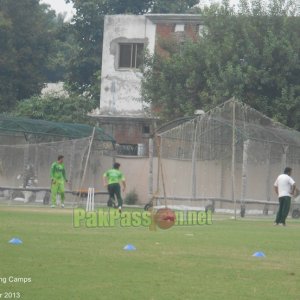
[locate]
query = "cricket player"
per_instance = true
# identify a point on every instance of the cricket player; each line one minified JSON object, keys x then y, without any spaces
{"x":58,"y":179}
{"x":112,"y":179}
{"x":284,"y":188}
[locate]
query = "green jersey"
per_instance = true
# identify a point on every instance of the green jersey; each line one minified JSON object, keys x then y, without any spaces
{"x":58,"y":172}
{"x":114,"y":176}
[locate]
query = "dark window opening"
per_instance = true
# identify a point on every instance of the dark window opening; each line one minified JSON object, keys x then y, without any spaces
{"x":146,"y":129}
{"x":131,"y":55}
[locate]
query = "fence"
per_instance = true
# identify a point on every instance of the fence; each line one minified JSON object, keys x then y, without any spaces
{"x":227,"y":159}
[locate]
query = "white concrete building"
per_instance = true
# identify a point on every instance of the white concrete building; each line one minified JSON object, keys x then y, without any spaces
{"x":126,"y":37}
{"x":122,"y":112}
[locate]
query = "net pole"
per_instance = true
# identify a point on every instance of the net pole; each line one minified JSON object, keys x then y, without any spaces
{"x":160,"y":171}
{"x":194,"y":184}
{"x":163,"y":184}
{"x":284,"y":157}
{"x":244,"y":176}
{"x":86,"y":162}
{"x":150,"y":178}
{"x":159,"y":141}
{"x":233,"y":158}
{"x":71,"y":170}
{"x":268,"y":180}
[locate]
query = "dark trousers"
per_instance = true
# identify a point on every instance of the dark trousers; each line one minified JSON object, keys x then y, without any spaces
{"x":284,"y":208}
{"x":114,"y":189}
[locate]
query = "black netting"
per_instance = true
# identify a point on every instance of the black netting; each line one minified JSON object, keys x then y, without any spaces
{"x":40,"y":130}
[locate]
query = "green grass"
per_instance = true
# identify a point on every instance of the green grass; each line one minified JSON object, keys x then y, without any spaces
{"x":191,"y":262}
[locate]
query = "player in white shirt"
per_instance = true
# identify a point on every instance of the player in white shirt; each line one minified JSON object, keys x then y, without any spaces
{"x":284,"y":188}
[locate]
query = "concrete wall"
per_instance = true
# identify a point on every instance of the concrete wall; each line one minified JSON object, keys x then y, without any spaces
{"x":136,"y":173}
{"x":213,"y":178}
{"x":120,"y":88}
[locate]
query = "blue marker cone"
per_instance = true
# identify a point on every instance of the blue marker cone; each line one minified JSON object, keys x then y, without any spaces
{"x":129,"y":247}
{"x":15,"y":241}
{"x":259,"y":254}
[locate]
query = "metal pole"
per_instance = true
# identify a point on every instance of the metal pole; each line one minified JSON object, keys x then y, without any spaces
{"x":233,"y":159}
{"x":71,"y":170}
{"x":159,"y":142}
{"x":284,"y":158}
{"x":158,"y":162}
{"x":150,"y":178}
{"x":244,"y":176}
{"x":268,"y":179}
{"x":86,"y":162}
{"x":194,"y":181}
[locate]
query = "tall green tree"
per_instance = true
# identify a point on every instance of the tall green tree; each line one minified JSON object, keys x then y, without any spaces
{"x":176,"y":7}
{"x":8,"y":65}
{"x":252,"y":54}
{"x":63,"y":49}
{"x":25,"y":43}
{"x":84,"y":70}
{"x":56,"y":107}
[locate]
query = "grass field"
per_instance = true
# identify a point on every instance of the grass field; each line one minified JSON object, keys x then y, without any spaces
{"x":191,"y":262}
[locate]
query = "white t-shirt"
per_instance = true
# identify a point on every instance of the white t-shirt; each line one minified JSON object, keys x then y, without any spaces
{"x":284,"y":183}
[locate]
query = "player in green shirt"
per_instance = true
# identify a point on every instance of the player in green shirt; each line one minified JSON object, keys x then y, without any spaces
{"x":58,"y":179}
{"x":112,"y":179}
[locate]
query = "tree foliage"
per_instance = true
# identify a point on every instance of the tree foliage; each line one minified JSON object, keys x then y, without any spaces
{"x":56,"y":107}
{"x":26,"y":36}
{"x":176,"y":7}
{"x":63,"y":48}
{"x":252,"y":54}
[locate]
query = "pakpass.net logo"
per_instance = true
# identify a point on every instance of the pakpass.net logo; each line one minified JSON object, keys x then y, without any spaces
{"x":164,"y":218}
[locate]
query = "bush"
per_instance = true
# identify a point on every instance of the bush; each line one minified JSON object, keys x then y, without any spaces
{"x":131,"y":198}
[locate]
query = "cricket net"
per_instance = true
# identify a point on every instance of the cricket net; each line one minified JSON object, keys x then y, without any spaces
{"x":29,"y":147}
{"x":226,"y":160}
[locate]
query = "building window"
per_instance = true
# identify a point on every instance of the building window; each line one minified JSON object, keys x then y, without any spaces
{"x":146,"y":129}
{"x":131,"y":55}
{"x":179,"y":27}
